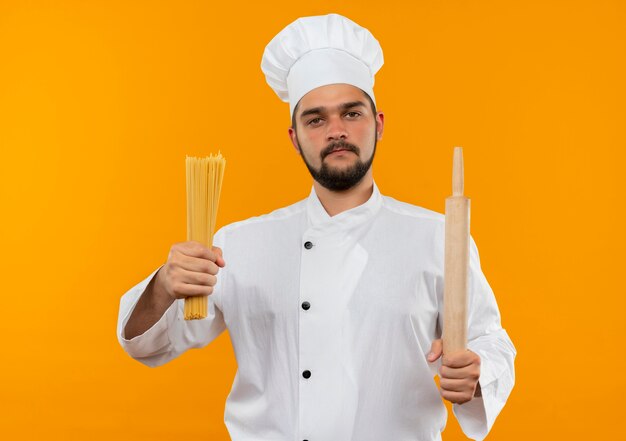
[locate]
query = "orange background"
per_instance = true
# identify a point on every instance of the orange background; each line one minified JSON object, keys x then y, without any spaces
{"x":100,"y":101}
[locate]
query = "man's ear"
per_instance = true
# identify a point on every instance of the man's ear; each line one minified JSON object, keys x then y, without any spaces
{"x":380,"y":125}
{"x":293,"y":138}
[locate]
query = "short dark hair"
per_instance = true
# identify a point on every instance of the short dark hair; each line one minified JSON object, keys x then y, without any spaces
{"x":295,"y":109}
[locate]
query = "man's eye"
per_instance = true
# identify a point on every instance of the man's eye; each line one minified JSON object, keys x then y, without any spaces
{"x":352,"y":114}
{"x":314,"y":121}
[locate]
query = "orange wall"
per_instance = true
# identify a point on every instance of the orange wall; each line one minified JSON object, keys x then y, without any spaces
{"x":100,"y":101}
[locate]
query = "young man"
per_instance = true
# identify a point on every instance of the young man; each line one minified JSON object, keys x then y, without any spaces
{"x":333,"y":304}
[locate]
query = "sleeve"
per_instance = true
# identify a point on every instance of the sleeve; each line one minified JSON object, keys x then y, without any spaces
{"x":171,"y":335}
{"x":489,"y":340}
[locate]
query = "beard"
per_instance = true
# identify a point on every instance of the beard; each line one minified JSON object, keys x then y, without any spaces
{"x":335,"y":179}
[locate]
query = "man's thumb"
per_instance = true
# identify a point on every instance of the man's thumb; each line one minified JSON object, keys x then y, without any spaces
{"x":435,"y":350}
{"x":220,"y":260}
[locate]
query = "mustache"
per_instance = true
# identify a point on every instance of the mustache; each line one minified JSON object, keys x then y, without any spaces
{"x":339,"y":145}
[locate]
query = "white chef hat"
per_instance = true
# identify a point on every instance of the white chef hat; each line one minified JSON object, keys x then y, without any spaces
{"x":320,"y":50}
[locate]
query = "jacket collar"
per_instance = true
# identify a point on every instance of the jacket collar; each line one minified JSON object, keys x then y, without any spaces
{"x":321,"y":221}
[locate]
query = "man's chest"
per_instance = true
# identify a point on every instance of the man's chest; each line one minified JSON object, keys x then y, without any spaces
{"x":327,"y":281}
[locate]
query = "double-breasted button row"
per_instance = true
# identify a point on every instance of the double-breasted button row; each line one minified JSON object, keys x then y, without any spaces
{"x":308,"y":245}
{"x":306,"y":305}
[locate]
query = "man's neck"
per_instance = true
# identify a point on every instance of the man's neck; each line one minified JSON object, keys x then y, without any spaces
{"x":335,"y":202}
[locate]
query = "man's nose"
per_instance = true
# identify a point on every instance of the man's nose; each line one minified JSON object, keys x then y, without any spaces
{"x":336,"y":129}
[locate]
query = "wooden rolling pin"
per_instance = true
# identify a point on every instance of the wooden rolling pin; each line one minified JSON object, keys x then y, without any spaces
{"x":456,"y":265}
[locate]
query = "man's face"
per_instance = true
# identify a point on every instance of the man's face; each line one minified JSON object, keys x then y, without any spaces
{"x":336,"y":133}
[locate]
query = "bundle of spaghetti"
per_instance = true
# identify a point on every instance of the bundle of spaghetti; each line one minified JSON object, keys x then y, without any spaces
{"x":204,"y":183}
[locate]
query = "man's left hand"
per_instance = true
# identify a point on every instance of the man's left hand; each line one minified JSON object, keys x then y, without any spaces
{"x":458,"y":374}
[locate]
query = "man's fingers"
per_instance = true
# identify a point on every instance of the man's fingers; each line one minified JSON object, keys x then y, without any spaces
{"x":460,"y":359}
{"x":220,"y":259}
{"x":197,"y":264}
{"x":455,"y":373}
{"x":455,"y":397}
{"x":191,"y":269}
{"x":435,"y":350}
{"x":458,"y":376}
{"x":182,"y":289}
{"x":217,"y":250}
{"x":196,"y":278}
{"x":455,"y":385}
{"x":193,"y":249}
{"x":196,"y":249}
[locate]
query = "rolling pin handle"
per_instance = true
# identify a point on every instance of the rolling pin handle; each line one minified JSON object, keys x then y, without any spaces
{"x":457,"y":172}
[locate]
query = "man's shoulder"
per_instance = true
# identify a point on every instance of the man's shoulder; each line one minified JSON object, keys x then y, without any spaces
{"x":410,"y":211}
{"x":272,"y":219}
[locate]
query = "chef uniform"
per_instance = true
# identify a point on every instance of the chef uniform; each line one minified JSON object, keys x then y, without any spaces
{"x":331,"y":318}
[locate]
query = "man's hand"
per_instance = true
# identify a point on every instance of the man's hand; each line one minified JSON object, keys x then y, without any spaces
{"x":191,"y":270}
{"x":458,"y":374}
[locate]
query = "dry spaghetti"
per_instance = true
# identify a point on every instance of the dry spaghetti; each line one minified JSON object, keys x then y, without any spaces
{"x":204,"y":183}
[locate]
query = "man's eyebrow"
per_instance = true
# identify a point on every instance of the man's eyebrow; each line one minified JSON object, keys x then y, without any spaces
{"x":321,"y":109}
{"x":312,"y":111}
{"x":352,"y":104}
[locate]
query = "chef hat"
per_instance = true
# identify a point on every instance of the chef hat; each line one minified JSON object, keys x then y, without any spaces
{"x":320,"y":50}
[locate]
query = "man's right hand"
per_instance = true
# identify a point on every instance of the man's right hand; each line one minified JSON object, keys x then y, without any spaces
{"x":191,"y":270}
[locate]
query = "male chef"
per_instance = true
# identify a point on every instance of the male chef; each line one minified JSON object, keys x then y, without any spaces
{"x":333,"y":304}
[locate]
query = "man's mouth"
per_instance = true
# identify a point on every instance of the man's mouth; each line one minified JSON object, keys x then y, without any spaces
{"x":340,"y":147}
{"x":340,"y":150}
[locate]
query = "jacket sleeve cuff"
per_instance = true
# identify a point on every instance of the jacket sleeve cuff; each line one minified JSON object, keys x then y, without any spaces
{"x":476,"y":417}
{"x":153,"y":341}
{"x":472,"y":417}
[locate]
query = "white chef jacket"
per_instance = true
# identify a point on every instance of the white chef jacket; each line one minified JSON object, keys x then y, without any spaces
{"x":331,"y":319}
